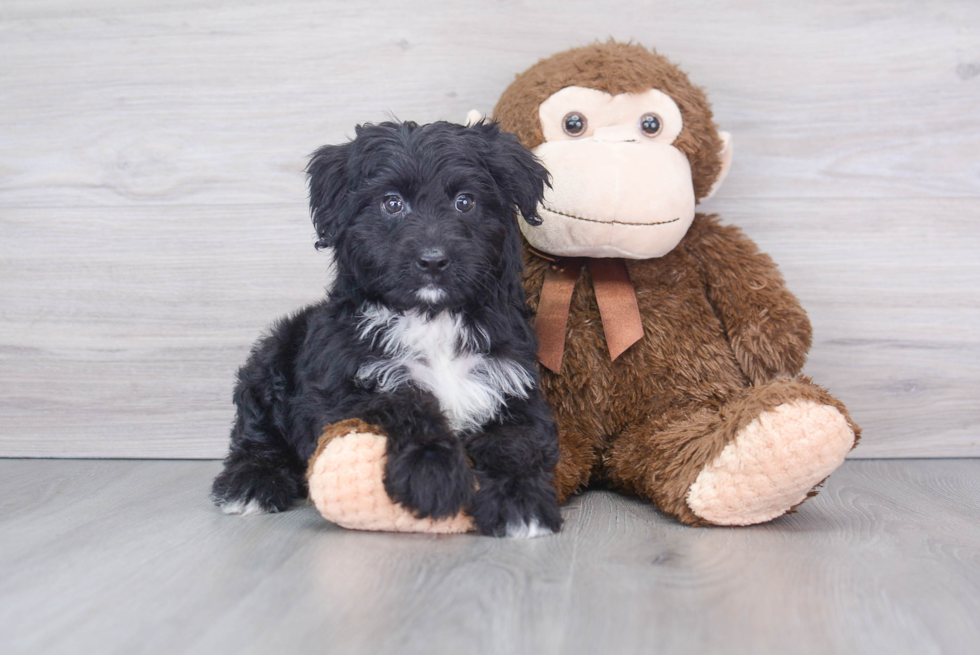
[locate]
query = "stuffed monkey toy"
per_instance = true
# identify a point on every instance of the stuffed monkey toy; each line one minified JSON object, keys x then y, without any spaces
{"x":670,"y":348}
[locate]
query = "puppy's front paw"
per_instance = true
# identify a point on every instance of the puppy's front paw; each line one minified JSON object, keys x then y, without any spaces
{"x":516,"y":507}
{"x":245,"y":490}
{"x":431,"y":480}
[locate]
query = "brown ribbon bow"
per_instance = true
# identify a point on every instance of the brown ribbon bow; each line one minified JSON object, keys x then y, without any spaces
{"x":617,"y":307}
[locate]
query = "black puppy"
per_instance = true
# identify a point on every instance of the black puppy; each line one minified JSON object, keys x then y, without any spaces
{"x":425,"y":333}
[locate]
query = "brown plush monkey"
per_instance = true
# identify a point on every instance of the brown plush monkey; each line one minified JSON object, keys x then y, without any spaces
{"x":686,"y":392}
{"x":671,"y":349}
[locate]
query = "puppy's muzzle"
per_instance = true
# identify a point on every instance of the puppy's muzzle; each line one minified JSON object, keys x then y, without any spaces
{"x":432,"y":260}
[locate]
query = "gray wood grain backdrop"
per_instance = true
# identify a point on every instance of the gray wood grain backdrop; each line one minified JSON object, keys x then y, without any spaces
{"x":152,"y":202}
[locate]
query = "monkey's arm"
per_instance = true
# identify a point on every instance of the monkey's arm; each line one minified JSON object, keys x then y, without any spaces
{"x":768,"y":329}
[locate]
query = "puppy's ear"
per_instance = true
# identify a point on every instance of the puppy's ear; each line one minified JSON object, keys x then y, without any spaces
{"x":516,"y":170}
{"x":329,"y":188}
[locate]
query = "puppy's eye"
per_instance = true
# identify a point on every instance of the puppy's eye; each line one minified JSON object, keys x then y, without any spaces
{"x":393,"y":203}
{"x":651,"y":125}
{"x":464,"y":202}
{"x":574,"y":124}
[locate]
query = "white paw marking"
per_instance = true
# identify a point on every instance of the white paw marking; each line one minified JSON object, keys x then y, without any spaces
{"x":527,"y":530}
{"x":240,"y":508}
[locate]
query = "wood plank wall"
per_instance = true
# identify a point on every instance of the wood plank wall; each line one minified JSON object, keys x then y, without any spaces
{"x":152,"y":202}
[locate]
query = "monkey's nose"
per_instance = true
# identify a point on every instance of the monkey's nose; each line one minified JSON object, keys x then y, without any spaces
{"x":433,"y":260}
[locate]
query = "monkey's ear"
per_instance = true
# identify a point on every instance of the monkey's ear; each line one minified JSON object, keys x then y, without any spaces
{"x":329,"y":186}
{"x":727,"y":151}
{"x":518,"y":173}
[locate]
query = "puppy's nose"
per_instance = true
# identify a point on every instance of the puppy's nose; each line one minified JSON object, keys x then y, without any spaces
{"x":433,"y":260}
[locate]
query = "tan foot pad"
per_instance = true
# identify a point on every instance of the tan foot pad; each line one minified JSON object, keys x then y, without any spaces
{"x":772,"y":464}
{"x":346,"y":485}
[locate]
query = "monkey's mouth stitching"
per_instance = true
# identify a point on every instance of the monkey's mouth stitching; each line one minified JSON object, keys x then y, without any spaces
{"x":592,"y":220}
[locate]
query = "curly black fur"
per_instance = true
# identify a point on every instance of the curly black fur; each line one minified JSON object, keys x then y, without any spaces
{"x":437,"y":256}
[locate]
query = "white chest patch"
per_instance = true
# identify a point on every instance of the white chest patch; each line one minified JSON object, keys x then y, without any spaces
{"x":443,"y":356}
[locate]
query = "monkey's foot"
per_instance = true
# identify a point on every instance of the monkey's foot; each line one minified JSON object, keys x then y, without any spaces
{"x":346,"y":480}
{"x":771,"y":464}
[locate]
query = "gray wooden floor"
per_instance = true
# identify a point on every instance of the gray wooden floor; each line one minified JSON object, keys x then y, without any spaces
{"x":130,"y":557}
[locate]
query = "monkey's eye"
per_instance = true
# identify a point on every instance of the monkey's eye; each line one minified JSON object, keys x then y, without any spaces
{"x":574,"y":124}
{"x":393,"y":203}
{"x":651,"y":125}
{"x":464,"y":202}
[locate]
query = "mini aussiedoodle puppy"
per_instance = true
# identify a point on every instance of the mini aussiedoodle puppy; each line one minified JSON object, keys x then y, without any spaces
{"x":424,"y":333}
